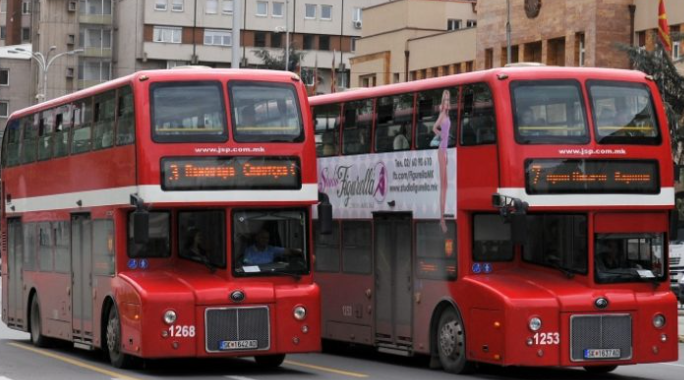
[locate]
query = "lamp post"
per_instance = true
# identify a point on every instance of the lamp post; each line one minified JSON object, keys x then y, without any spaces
{"x":45,"y":62}
{"x":287,"y":35}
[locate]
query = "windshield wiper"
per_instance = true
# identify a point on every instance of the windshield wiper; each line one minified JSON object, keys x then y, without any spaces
{"x":283,"y":273}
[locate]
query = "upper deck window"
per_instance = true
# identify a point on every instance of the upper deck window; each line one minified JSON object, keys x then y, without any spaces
{"x":549,"y":112}
{"x":623,"y":113}
{"x":188,"y":112}
{"x":265,"y":112}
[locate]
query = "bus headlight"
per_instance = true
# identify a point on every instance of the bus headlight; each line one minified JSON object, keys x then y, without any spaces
{"x":170,"y":317}
{"x":535,"y":324}
{"x":299,"y":313}
{"x":659,"y":321}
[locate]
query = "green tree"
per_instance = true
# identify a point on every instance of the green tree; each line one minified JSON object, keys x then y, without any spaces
{"x":276,"y":60}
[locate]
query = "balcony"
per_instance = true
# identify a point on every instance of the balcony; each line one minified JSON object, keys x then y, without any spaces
{"x":98,"y":19}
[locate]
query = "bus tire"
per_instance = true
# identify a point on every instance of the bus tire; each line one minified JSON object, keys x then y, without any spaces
{"x":270,"y":361}
{"x":600,"y":368}
{"x":37,"y":337}
{"x":451,"y":344}
{"x":113,"y":335}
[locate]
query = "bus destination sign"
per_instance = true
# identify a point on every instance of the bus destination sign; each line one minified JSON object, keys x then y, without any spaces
{"x":565,"y":176}
{"x":231,"y":173}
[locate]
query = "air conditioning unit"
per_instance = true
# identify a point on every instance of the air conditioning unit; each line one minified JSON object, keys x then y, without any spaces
{"x":357,"y":24}
{"x":69,"y":72}
{"x":71,"y":7}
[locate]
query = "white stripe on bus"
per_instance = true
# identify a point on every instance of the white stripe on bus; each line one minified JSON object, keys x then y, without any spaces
{"x":155,"y":194}
{"x":665,"y":198}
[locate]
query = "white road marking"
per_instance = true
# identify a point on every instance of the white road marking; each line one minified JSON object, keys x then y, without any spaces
{"x":670,"y":364}
{"x":230,"y":377}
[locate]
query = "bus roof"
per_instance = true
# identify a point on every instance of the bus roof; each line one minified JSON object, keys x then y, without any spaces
{"x":162,"y":75}
{"x":520,"y":72}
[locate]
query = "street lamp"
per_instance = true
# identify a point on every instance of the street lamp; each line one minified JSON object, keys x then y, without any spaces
{"x":45,"y":61}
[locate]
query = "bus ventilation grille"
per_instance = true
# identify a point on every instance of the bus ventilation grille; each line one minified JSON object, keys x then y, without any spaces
{"x":600,"y":332}
{"x":236,"y":329}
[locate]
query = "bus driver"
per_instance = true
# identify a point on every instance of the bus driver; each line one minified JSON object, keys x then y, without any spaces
{"x":261,"y":252}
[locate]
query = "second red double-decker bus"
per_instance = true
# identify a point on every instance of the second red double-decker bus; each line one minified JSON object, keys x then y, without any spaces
{"x":516,"y":216}
{"x":164,"y":214}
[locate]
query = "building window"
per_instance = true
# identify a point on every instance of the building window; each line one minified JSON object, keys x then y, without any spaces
{"x":160,"y":5}
{"x":172,"y":64}
{"x":25,"y":34}
{"x":310,"y":11}
{"x":276,"y":40}
{"x":323,"y":42}
{"x":489,"y":58}
{"x":471,"y":23}
{"x":26,"y":7}
{"x":308,"y":42}
{"x":211,"y":7}
{"x":641,"y":39}
{"x":353,"y":44}
{"x":3,"y":32}
{"x":453,"y":24}
{"x":579,"y":38}
{"x":4,"y":109}
{"x":93,"y":38}
{"x":278,"y":9}
{"x":260,"y":39}
{"x":262,"y":8}
{"x":98,"y":71}
{"x":326,"y":12}
{"x":177,"y":5}
{"x":218,"y":37}
{"x":3,"y":6}
{"x":4,"y":77}
{"x":227,"y":6}
{"x":167,"y":34}
{"x":104,"y":7}
{"x":356,"y":14}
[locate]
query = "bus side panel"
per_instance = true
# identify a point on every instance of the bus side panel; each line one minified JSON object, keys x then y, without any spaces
{"x":348,"y":313}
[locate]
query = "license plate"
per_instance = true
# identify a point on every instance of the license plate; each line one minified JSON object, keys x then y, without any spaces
{"x":237,"y":344}
{"x":602,"y":353}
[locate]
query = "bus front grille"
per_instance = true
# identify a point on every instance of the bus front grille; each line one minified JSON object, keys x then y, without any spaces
{"x":237,"y":329}
{"x":600,"y":337}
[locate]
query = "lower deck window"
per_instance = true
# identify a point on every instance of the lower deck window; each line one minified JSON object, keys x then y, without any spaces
{"x":629,"y":257}
{"x":557,"y":241}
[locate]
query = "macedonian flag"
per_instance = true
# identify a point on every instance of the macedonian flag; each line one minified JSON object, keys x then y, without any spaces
{"x":663,"y":28}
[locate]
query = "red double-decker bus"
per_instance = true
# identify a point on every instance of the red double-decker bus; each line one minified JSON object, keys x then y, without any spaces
{"x":164,"y":214}
{"x":516,"y":216}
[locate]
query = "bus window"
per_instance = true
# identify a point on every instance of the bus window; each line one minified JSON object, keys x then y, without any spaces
{"x":159,"y":243}
{"x":491,"y":238}
{"x":428,"y":112}
{"x":327,"y":126}
{"x":557,"y":241}
{"x":45,"y":135}
{"x":328,"y":250}
{"x":45,"y":241}
{"x":629,"y":257}
{"x":623,"y":113}
{"x":478,"y":122}
{"x":393,"y":123}
{"x":81,"y":131}
{"x":188,"y":112}
{"x":265,"y":112}
{"x":436,"y":251}
{"x":125,"y":120}
{"x":29,"y":143}
{"x":62,"y":237}
{"x":202,"y":237}
{"x":103,"y":124}
{"x":30,"y":260}
{"x":356,"y":132}
{"x":549,"y":112}
{"x":103,"y":247}
{"x":13,"y":132}
{"x":62,"y":127}
{"x":356,"y":247}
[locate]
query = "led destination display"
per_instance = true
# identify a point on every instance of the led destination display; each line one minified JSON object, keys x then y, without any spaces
{"x":230,"y":173}
{"x":558,"y":176}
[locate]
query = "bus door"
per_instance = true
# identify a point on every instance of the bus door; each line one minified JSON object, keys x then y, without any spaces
{"x":81,"y":275}
{"x":393,"y":280}
{"x":15,"y":258}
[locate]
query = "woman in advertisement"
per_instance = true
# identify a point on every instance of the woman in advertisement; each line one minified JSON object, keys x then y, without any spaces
{"x":441,"y":130}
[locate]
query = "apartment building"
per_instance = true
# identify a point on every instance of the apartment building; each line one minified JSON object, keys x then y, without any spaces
{"x":15,"y":91}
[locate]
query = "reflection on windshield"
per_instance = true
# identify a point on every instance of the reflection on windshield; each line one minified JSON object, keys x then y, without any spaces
{"x":270,"y":242}
{"x":202,"y":237}
{"x":557,"y":241}
{"x":629,"y":257}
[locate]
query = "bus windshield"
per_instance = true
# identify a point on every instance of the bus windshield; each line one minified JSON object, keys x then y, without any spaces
{"x":188,"y":112}
{"x":629,"y":257}
{"x":265,"y":112}
{"x":623,"y":113}
{"x":549,"y":112}
{"x":269,"y":242}
{"x":557,"y":241}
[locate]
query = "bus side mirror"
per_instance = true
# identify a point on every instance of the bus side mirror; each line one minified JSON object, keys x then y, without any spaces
{"x":141,"y":226}
{"x":325,"y":214}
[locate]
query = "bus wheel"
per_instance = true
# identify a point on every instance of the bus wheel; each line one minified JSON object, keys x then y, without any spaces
{"x":451,"y":343}
{"x":113,"y":335}
{"x":270,"y":361}
{"x":600,"y":368}
{"x":37,"y":337}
